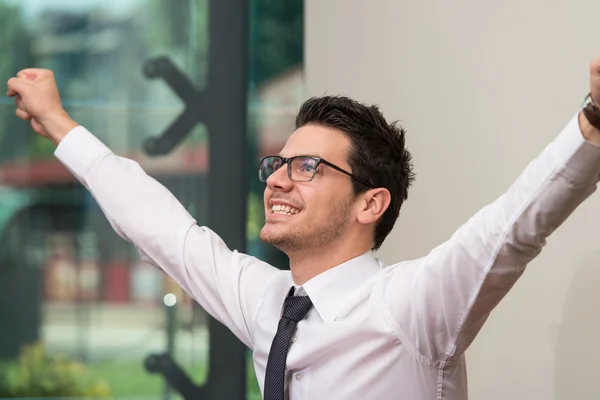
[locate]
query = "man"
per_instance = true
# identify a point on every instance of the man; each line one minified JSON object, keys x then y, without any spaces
{"x":340,"y":325}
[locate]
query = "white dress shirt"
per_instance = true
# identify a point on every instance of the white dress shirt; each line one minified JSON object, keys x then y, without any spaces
{"x":375,"y":331}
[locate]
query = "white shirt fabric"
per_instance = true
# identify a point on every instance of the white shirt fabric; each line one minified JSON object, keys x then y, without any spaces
{"x":375,"y":331}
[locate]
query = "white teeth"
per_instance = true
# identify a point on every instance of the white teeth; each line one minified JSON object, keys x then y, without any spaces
{"x":285,"y":210}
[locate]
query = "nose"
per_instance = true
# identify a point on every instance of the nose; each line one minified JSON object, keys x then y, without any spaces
{"x":279,"y":180}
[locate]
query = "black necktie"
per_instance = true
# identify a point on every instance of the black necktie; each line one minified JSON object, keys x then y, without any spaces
{"x":294,"y":310}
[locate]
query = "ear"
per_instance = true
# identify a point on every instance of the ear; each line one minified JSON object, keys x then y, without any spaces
{"x":373,"y":204}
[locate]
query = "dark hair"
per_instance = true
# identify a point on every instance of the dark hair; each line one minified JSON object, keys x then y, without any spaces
{"x":378,"y":154}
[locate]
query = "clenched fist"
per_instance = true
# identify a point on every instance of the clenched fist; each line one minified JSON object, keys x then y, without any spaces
{"x":37,"y":99}
{"x":591,"y":133}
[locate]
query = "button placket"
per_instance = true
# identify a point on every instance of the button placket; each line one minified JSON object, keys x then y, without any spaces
{"x":300,"y":384}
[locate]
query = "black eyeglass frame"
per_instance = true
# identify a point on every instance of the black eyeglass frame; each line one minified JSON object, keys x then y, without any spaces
{"x":318,"y":160}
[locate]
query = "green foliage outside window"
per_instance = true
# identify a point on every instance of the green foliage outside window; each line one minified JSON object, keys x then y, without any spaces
{"x":39,"y":374}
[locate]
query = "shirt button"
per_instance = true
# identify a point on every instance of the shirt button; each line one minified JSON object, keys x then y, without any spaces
{"x":298,"y":376}
{"x":294,"y":338}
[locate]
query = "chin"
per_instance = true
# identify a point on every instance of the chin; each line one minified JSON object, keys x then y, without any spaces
{"x":269,"y":235}
{"x":285,"y":241}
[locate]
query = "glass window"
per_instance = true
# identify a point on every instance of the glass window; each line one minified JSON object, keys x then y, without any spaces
{"x":70,"y":288}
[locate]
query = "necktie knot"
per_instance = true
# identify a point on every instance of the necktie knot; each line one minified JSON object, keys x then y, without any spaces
{"x":295,"y":308}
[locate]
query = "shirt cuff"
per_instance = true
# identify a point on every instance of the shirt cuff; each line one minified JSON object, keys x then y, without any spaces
{"x":581,"y":158}
{"x":79,"y":150}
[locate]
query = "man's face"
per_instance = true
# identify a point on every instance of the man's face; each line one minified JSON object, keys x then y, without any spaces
{"x":320,"y":210}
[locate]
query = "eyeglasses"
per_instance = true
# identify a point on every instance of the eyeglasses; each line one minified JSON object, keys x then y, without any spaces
{"x":300,"y":168}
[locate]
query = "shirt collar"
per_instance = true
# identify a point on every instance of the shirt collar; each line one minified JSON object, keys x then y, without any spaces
{"x":332,"y":289}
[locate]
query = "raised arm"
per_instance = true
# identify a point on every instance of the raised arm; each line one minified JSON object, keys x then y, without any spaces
{"x":440,"y":302}
{"x":227,"y":284}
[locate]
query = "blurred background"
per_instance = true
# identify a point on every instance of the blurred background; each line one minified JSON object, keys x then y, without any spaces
{"x":482,"y":88}
{"x":69,"y":286}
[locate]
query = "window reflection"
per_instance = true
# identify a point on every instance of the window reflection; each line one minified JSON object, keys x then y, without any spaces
{"x":84,"y":292}
{"x":68,"y":285}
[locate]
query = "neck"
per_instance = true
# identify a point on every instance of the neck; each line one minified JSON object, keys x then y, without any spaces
{"x":308,"y":263}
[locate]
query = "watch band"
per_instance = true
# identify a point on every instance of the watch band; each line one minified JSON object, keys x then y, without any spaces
{"x":591,"y":111}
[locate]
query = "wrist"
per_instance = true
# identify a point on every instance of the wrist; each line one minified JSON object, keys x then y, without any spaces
{"x":58,"y":126}
{"x":590,"y":133}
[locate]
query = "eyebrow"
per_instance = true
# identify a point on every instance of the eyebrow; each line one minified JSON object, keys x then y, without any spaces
{"x":301,"y":155}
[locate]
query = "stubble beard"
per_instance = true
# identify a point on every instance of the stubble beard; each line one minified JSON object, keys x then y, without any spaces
{"x":313,"y":236}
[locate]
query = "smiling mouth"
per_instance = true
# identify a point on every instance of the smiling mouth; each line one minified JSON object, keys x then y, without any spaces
{"x":281,"y":209}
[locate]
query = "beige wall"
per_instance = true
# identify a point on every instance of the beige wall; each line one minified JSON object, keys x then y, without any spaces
{"x":481,"y":87}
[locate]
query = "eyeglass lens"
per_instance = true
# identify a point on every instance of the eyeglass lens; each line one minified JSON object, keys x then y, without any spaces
{"x":300,"y":168}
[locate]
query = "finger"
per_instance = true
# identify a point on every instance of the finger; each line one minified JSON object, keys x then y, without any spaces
{"x":23,"y":74}
{"x":24,"y":115}
{"x":31,"y":74}
{"x":11,"y":92}
{"x":19,"y":102}
{"x":16,"y":86}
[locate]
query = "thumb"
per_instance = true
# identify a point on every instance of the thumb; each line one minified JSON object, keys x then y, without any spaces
{"x":31,"y":74}
{"x":17,"y":86}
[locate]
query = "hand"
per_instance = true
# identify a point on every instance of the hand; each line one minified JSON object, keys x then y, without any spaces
{"x":589,"y":132}
{"x":595,"y":80}
{"x":37,"y":99}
